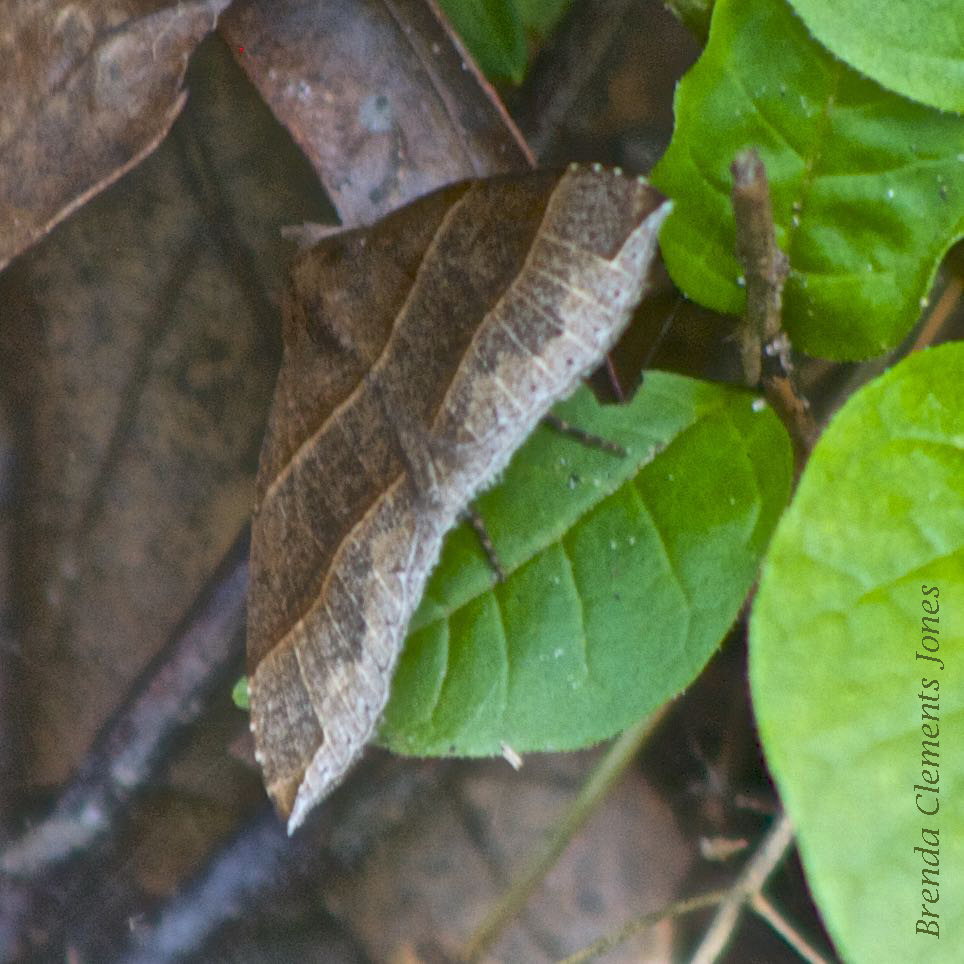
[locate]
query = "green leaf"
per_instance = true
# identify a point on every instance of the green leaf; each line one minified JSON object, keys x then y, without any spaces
{"x":913,"y":47}
{"x":836,"y":678}
{"x":693,"y":14}
{"x":540,"y":16}
{"x":868,"y":188}
{"x":624,"y":573}
{"x":494,"y":33}
{"x":240,"y":695}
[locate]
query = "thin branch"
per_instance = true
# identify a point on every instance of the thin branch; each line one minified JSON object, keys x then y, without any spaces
{"x":765,"y":265}
{"x":612,"y":766}
{"x":169,"y":695}
{"x":750,"y":882}
{"x":765,"y":348}
{"x":261,"y":861}
{"x":948,"y":301}
{"x":782,"y":926}
{"x":638,"y":924}
{"x":257,"y":860}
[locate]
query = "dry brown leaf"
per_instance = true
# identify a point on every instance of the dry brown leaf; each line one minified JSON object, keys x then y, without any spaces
{"x":88,"y":90}
{"x":378,"y":94}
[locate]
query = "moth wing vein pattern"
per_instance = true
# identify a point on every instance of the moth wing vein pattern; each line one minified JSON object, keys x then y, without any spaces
{"x":500,"y":295}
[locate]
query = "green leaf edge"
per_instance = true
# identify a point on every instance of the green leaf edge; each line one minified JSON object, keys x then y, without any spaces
{"x":768,"y":727}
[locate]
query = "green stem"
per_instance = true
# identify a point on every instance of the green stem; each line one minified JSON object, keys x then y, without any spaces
{"x":677,"y":909}
{"x":609,"y":769}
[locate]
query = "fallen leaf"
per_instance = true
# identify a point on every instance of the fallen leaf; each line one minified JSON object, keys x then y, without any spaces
{"x":379,"y":95}
{"x":88,"y":91}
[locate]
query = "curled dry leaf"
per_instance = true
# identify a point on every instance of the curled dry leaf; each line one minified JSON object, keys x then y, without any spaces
{"x":88,"y":89}
{"x":418,"y":355}
{"x":379,"y":94}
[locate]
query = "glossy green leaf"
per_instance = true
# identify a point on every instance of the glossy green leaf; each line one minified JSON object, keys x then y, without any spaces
{"x":913,"y":47}
{"x":868,"y":187}
{"x":836,"y":669}
{"x":494,"y":33}
{"x":624,"y":573}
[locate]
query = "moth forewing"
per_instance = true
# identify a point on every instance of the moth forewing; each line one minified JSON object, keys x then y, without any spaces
{"x":495,"y":299}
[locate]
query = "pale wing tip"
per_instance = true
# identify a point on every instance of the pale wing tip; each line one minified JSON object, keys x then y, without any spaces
{"x":318,"y":780}
{"x":305,"y":802}
{"x":296,"y":819}
{"x":653,"y":222}
{"x":663,"y":211}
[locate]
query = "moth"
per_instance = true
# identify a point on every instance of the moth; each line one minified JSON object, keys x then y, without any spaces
{"x":418,"y":355}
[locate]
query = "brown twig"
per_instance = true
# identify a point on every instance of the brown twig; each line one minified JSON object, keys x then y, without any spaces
{"x":765,"y":349}
{"x":638,"y":924}
{"x":201,"y":654}
{"x":785,"y":929}
{"x":941,"y":312}
{"x":202,"y":651}
{"x":622,"y":752}
{"x":751,"y":881}
{"x":262,"y":861}
{"x":619,"y":393}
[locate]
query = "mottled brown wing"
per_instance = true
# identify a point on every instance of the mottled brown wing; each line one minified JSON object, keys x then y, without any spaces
{"x":419,"y":354}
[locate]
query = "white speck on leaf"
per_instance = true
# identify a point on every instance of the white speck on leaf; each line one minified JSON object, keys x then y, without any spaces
{"x":511,"y":757}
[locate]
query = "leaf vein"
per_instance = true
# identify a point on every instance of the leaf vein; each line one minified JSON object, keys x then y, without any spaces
{"x":580,"y":609}
{"x":664,"y":545}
